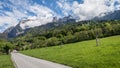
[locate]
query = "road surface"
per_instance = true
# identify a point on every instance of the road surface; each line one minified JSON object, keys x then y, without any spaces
{"x":23,"y":61}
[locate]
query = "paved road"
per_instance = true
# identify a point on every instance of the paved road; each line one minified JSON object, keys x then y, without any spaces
{"x":23,"y":61}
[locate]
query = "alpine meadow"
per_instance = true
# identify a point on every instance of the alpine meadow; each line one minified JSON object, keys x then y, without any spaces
{"x":59,"y":33}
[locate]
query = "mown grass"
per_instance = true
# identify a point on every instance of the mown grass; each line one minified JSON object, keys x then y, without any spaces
{"x":83,"y":54}
{"x":5,"y":61}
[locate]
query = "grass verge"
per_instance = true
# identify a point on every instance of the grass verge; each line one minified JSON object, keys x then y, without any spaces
{"x":5,"y":61}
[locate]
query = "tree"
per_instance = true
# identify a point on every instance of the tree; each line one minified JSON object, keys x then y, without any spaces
{"x":68,"y":39}
{"x":107,"y":29}
{"x":91,"y":34}
{"x":6,"y":49}
{"x":97,"y":40}
{"x":52,"y":41}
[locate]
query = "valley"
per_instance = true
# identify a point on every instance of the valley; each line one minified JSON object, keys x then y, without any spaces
{"x":59,"y":33}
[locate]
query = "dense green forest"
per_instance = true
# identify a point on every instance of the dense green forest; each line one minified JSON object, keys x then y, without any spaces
{"x":68,"y":33}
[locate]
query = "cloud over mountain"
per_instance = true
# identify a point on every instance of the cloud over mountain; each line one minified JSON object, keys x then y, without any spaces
{"x":88,"y":9}
{"x":12,"y":11}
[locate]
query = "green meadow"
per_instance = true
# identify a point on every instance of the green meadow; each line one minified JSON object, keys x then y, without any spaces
{"x":5,"y":61}
{"x":83,"y":54}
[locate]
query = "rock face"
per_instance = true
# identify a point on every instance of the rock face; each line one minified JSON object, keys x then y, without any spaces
{"x":9,"y":29}
{"x":15,"y":31}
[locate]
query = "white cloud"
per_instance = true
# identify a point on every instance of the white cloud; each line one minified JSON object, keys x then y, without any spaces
{"x":43,"y":1}
{"x":1,"y":5}
{"x":35,"y":21}
{"x":11,"y":18}
{"x":65,"y":6}
{"x":41,"y":10}
{"x":118,"y":7}
{"x":89,"y":8}
{"x":60,"y":4}
{"x":44,"y":15}
{"x":21,"y":9}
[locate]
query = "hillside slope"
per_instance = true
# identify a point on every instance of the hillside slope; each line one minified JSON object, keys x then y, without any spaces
{"x":83,"y":54}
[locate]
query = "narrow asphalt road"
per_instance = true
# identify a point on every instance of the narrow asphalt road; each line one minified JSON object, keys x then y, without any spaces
{"x":23,"y":61}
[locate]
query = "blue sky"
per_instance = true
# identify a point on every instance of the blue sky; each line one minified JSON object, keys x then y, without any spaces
{"x":11,"y":11}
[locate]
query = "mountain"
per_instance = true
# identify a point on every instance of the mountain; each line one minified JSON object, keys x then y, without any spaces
{"x":27,"y":24}
{"x":9,"y":29}
{"x":109,"y":16}
{"x":16,"y":30}
{"x":24,"y":25}
{"x":66,"y":19}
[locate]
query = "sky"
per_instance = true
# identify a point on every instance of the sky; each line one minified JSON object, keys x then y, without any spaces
{"x":12,"y":11}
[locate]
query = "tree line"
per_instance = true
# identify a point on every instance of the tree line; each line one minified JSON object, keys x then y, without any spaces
{"x":68,"y":33}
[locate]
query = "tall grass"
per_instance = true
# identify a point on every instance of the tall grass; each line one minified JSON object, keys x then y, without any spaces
{"x":5,"y":61}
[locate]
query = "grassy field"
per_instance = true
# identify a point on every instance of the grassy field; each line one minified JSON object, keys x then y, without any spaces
{"x":5,"y":61}
{"x":83,"y":54}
